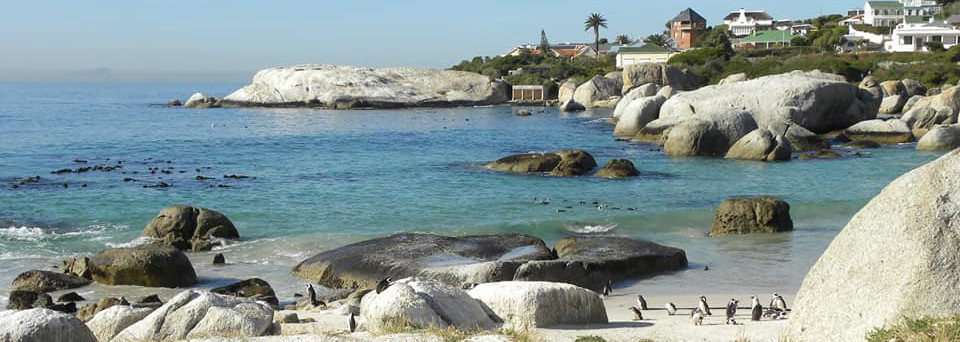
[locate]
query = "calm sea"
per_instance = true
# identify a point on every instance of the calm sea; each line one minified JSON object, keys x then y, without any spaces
{"x":320,"y":179}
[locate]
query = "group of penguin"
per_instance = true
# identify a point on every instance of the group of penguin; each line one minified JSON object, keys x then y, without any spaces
{"x":776,"y":310}
{"x":352,"y":318}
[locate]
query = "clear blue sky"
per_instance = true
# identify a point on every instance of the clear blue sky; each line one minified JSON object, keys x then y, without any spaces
{"x":229,"y":40}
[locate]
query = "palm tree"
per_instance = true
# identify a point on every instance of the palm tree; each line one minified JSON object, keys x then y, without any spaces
{"x":595,"y":21}
{"x":623,"y":40}
{"x":660,"y":40}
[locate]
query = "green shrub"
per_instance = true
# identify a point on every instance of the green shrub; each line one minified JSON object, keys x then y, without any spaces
{"x":922,"y":329}
{"x":935,"y":46}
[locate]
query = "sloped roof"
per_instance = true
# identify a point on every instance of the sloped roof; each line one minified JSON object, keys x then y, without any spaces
{"x":755,"y":14}
{"x":953,"y":19}
{"x":688,"y":15}
{"x":769,"y":36}
{"x":646,"y":48}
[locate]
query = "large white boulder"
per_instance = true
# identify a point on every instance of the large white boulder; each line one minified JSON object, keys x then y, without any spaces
{"x":761,"y":145}
{"x":659,"y":74}
{"x":108,"y":323}
{"x":422,"y":303}
{"x":645,"y":90}
{"x":892,"y":104}
{"x":734,"y":78}
{"x":921,"y":120}
{"x":42,"y":325}
{"x":599,"y":91}
{"x":708,"y":134}
{"x":524,"y":305}
{"x":201,"y":314}
{"x":940,"y":138}
{"x":893,"y":131}
{"x":896,"y":258}
{"x":348,"y":86}
{"x":637,"y":114}
{"x":565,"y":93}
{"x":949,"y":98}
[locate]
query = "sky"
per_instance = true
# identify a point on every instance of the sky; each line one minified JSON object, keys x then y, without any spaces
{"x":207,"y":40}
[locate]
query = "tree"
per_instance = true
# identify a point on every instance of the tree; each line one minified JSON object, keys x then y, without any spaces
{"x":544,"y":44}
{"x":623,"y":40}
{"x":595,"y":21}
{"x":659,"y":40}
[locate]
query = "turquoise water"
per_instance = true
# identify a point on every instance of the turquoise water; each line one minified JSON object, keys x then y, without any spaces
{"x":321,"y":179}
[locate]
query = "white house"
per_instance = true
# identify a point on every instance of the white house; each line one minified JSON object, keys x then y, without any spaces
{"x":913,"y":37}
{"x":883,"y":13}
{"x":746,"y":22}
{"x":920,"y":8}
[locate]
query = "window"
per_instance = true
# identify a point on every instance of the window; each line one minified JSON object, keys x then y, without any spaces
{"x":907,"y":40}
{"x":936,"y":38}
{"x":949,"y":40}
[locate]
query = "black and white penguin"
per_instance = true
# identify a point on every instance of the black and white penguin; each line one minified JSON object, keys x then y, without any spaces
{"x":777,"y":302}
{"x":732,"y":311}
{"x":641,"y":303}
{"x":756,"y":310}
{"x":608,"y":289}
{"x":312,"y":297}
{"x":696,"y":316}
{"x":703,"y":306}
{"x":352,"y":323}
{"x":671,"y":308}
{"x":383,"y":284}
{"x":637,"y":315}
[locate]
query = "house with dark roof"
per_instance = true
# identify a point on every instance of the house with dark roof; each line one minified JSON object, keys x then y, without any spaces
{"x":745,"y":22}
{"x":648,"y":53}
{"x":686,"y":28}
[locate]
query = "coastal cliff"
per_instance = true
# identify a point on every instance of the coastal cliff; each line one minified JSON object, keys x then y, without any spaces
{"x":345,"y":87}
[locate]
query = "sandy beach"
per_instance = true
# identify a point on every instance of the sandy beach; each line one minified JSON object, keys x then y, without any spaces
{"x":656,"y":326}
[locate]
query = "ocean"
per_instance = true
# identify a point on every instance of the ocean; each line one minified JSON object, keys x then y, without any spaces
{"x":319,"y":179}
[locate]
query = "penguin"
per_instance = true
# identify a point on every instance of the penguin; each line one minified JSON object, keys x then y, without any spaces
{"x":641,"y":303}
{"x":608,"y":289}
{"x":671,"y":308}
{"x":123,"y":301}
{"x":778,"y":302}
{"x":312,"y":297}
{"x":703,"y":306}
{"x":732,"y":311}
{"x":696,"y":316}
{"x":383,"y":284}
{"x":756,"y":309}
{"x":352,"y":323}
{"x":637,"y":314}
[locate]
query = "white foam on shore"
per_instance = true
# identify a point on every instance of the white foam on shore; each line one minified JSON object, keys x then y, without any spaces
{"x":140,"y":241}
{"x":40,"y":234}
{"x":590,"y":229}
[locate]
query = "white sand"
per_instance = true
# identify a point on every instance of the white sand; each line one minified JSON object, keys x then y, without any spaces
{"x":656,"y":326}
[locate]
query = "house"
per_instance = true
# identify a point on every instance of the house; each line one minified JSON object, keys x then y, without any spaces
{"x":784,"y":24}
{"x":856,"y":19}
{"x":529,"y":93}
{"x":647,"y":53}
{"x":569,"y":50}
{"x":911,"y":37}
{"x":921,"y":8}
{"x":801,"y":29}
{"x":746,"y":22}
{"x":883,"y":13}
{"x":953,"y":20}
{"x":766,"y":39}
{"x":686,"y":28}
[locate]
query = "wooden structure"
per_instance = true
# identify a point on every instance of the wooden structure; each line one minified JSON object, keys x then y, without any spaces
{"x":529,"y":93}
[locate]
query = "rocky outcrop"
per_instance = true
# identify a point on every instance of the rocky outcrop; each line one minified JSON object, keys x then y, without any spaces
{"x":566,"y":90}
{"x":254,"y":288}
{"x":420,"y":304}
{"x":941,"y":138}
{"x":921,"y":120}
{"x":913,"y":88}
{"x":199,"y":100}
{"x":190,"y":228}
{"x":741,"y":77}
{"x":452,"y":260}
{"x":571,"y":106}
{"x":642,"y":91}
{"x":88,"y":311}
{"x":659,"y":74}
{"x":825,"y":154}
{"x":900,"y":249}
{"x":108,"y":323}
{"x":23,"y":300}
{"x":893,"y":131}
{"x":949,"y":99}
{"x":892,"y":104}
{"x":637,"y":113}
{"x":912,"y":101}
{"x":708,"y":121}
{"x":559,"y":163}
{"x":761,"y":145}
{"x":43,"y":325}
{"x":344,"y":87}
{"x":590,"y":262}
{"x":707,"y":134}
{"x":617,"y":168}
{"x":527,"y":305}
{"x":46,"y":281}
{"x":150,"y":265}
{"x":751,"y":215}
{"x":199,"y":314}
{"x":599,"y":91}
